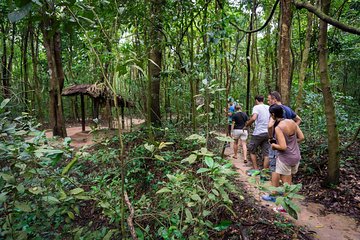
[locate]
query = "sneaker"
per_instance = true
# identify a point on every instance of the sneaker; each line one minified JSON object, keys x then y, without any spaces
{"x":279,"y":209}
{"x":268,"y":198}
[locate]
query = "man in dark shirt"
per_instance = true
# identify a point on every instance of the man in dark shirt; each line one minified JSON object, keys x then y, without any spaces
{"x":239,"y":119}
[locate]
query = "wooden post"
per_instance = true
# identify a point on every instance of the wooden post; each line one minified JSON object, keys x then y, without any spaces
{"x":82,"y":112}
{"x":122,"y":117}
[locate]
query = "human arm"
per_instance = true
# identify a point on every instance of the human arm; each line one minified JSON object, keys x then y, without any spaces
{"x":297,"y":120}
{"x":251,"y":120}
{"x":299,"y":134}
{"x":281,"y":142}
{"x":271,"y":128}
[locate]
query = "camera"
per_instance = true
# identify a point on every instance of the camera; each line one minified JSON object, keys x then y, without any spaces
{"x":272,"y":140}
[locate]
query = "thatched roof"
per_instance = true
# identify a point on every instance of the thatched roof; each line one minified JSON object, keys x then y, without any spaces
{"x":93,"y":90}
{"x":98,"y":91}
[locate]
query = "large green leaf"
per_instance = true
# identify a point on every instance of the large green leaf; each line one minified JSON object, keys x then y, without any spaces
{"x":4,"y":102}
{"x":202,"y":170}
{"x":197,"y":137}
{"x":69,"y":166}
{"x":7,"y":177}
{"x":24,"y":207}
{"x":190,"y":159}
{"x":188,"y":214}
{"x":149,"y":147}
{"x":3,"y":197}
{"x":224,"y":224}
{"x":51,"y":200}
{"x":76,"y":191}
{"x":209,"y":161}
{"x":195,"y":197}
{"x":36,"y":190}
{"x":20,"y":14}
{"x":163,"y":190}
{"x":224,"y":139}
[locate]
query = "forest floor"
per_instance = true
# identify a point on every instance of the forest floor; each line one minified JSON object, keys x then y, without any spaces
{"x":313,"y":216}
{"x":329,"y":226}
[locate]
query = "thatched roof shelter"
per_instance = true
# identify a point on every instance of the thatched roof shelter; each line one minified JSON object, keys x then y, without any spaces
{"x":99,"y":93}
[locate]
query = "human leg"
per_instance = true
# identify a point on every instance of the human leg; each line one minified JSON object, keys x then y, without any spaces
{"x":243,"y":138}
{"x":275,"y":179}
{"x":236,"y":147}
{"x":265,"y":149}
{"x":253,"y":144}
{"x":253,"y":160}
{"x":286,"y":179}
{"x":244,"y":149}
{"x":266,"y":161}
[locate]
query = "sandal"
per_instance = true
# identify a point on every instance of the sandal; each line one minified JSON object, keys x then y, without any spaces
{"x":268,"y":198}
{"x":245,"y":161}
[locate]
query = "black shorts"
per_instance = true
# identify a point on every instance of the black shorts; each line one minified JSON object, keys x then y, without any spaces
{"x":259,"y":140}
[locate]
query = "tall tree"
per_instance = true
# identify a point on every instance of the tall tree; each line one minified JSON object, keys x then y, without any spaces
{"x":333,"y":136}
{"x":284,"y":51}
{"x":7,"y":56}
{"x":52,"y":44}
{"x":304,"y":61}
{"x":155,"y":59}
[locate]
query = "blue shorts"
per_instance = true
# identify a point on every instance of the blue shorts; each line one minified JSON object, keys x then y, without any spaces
{"x":272,"y":159}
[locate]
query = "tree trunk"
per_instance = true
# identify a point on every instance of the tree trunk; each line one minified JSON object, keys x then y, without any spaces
{"x":253,"y":54}
{"x":155,"y":56}
{"x":227,"y":70}
{"x":51,"y":41}
{"x":304,"y":61}
{"x":333,"y":136}
{"x":28,"y":101}
{"x":248,"y":66}
{"x":267,"y":60}
{"x":284,"y":51}
{"x":5,"y":61}
{"x":192,"y":82}
{"x":34,"y":45}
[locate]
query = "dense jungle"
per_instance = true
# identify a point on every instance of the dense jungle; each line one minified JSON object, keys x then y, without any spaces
{"x":116,"y":119}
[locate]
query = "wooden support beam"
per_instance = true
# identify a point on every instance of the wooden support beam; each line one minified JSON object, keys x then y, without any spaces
{"x":82,"y":112}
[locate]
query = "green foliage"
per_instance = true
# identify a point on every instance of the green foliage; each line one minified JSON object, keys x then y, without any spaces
{"x":289,"y":192}
{"x":191,"y":196}
{"x":36,"y":199}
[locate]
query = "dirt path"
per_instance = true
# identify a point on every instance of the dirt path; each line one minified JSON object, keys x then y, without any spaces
{"x":86,"y":138}
{"x":327,"y":227}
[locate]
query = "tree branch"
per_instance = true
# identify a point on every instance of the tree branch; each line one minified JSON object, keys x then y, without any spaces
{"x":131,"y":217}
{"x":326,"y":18}
{"x":263,"y":26}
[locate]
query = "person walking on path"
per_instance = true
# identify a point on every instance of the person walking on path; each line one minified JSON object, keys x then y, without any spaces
{"x":274,"y":98}
{"x":287,"y":135}
{"x":238,"y":132}
{"x":229,"y":113}
{"x":260,"y":115}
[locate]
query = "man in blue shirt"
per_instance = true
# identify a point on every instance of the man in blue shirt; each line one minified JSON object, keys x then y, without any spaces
{"x":229,"y":112}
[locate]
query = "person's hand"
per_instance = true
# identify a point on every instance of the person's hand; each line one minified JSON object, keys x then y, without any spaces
{"x":273,"y":146}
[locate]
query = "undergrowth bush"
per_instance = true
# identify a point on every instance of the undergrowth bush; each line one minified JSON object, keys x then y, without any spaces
{"x":37,"y":197}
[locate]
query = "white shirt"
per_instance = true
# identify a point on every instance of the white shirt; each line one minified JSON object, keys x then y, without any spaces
{"x":262,"y":120}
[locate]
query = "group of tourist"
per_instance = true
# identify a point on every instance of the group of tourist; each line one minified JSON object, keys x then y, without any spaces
{"x":276,"y":133}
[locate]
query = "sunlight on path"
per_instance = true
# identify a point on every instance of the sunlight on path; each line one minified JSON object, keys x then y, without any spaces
{"x":87,"y":138}
{"x":327,"y":227}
